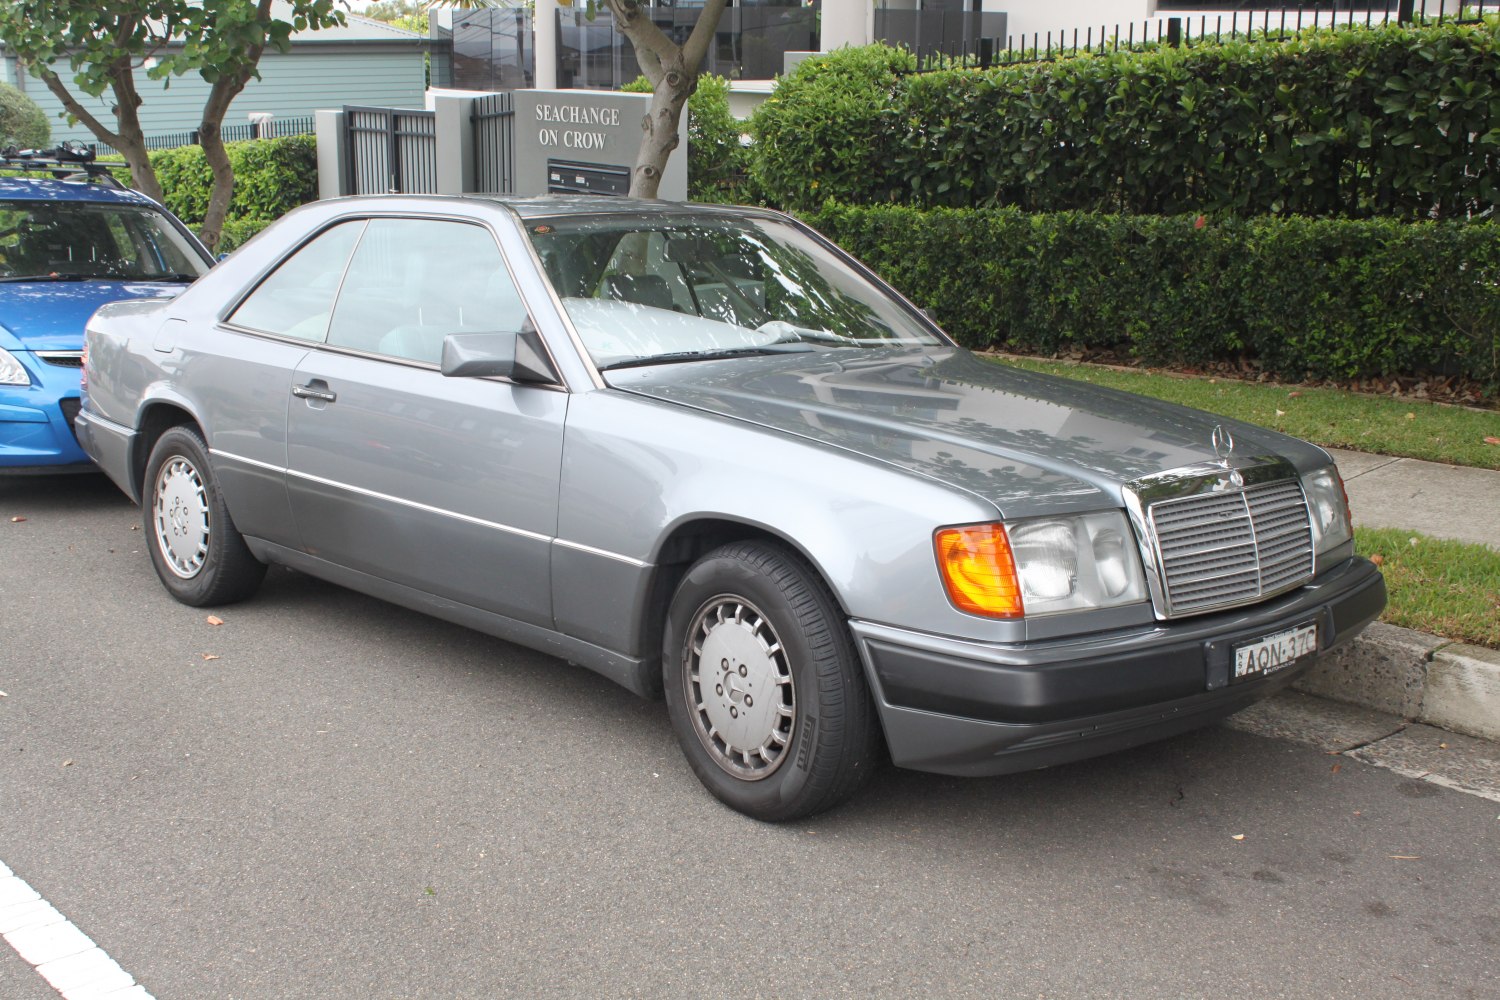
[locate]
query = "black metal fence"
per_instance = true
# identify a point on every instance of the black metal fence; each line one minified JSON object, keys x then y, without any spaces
{"x":390,"y":149}
{"x":494,"y":122}
{"x":1186,"y":29}
{"x":275,"y":128}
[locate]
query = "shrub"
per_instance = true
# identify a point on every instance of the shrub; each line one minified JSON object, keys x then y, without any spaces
{"x":718,"y":164}
{"x":23,"y":123}
{"x":1302,"y":297}
{"x":271,"y":177}
{"x":831,"y":129}
{"x":238,"y":231}
{"x":1394,"y":121}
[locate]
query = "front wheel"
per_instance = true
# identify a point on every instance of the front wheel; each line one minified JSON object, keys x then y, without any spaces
{"x":199,"y":555}
{"x":763,"y":685}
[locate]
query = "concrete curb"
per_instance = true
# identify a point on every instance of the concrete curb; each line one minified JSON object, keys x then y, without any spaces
{"x":1418,"y":676}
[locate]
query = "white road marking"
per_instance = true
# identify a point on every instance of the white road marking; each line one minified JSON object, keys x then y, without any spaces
{"x":61,"y":953}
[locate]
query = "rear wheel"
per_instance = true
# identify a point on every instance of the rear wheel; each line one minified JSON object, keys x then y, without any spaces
{"x":763,"y":685}
{"x":198,"y":554}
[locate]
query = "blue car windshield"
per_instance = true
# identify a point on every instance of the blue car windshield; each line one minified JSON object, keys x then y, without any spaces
{"x":649,"y":289}
{"x":77,"y":240}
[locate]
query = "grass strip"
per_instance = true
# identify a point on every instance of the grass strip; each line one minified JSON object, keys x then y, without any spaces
{"x":1334,"y":418}
{"x":1438,"y":586}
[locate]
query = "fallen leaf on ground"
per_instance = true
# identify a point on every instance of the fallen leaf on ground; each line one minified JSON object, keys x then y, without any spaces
{"x":1293,"y":395}
{"x":1236,"y":836}
{"x":1492,"y":440}
{"x":214,"y":620}
{"x":1411,"y":416}
{"x":68,"y":762}
{"x":210,"y":656}
{"x":17,"y":520}
{"x":1442,"y":746}
{"x":1281,"y":413}
{"x":1411,"y":541}
{"x":1378,"y":559}
{"x":1337,"y":768}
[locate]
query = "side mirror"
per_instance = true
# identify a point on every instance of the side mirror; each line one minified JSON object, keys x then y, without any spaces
{"x":519,"y":357}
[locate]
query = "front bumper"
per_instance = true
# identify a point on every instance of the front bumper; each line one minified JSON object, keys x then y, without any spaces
{"x":36,"y":423}
{"x":959,"y":707}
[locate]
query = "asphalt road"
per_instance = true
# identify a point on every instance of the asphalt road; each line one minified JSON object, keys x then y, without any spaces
{"x":327,"y":796}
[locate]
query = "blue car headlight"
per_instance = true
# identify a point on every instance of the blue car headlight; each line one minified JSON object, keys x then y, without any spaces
{"x":12,"y":372}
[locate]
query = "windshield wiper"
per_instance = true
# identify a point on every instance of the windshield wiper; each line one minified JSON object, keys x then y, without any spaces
{"x":724,"y":352}
{"x":48,"y":277}
{"x":175,"y":278}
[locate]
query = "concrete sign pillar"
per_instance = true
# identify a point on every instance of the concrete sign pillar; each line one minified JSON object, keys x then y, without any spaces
{"x":585,"y":142}
{"x":333,"y":177}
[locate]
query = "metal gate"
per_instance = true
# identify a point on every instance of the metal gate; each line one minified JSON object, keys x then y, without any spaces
{"x":493,"y":120}
{"x":391,"y":150}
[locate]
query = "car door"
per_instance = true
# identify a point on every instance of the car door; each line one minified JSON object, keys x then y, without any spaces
{"x":446,"y":485}
{"x":246,"y":366}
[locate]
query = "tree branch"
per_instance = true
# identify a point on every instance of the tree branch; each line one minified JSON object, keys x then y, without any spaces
{"x":74,"y":108}
{"x":696,"y":47}
{"x":653,"y":49}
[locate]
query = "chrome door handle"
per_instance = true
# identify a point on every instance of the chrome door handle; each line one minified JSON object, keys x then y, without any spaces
{"x":308,"y":392}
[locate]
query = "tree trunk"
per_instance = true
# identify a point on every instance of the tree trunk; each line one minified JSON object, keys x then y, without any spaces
{"x":219,"y":196}
{"x":673,"y":72}
{"x":660,"y":129}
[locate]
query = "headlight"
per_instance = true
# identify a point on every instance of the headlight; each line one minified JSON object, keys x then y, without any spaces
{"x":1041,"y":566}
{"x":1329,"y":506}
{"x":11,"y":372}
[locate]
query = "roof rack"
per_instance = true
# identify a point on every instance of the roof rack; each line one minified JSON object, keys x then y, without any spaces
{"x":68,"y":161}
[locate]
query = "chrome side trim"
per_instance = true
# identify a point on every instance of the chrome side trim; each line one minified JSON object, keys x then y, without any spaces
{"x":602,"y":553}
{"x":510,"y":529}
{"x":414,"y":505}
{"x":218,"y":453}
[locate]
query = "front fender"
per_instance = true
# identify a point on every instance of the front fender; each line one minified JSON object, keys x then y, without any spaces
{"x":637,"y":471}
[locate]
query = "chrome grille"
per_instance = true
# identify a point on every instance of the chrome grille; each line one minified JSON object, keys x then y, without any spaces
{"x":1234,"y":547}
{"x":63,"y":359}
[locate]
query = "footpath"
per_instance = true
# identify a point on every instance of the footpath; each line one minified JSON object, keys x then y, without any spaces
{"x":1414,"y":703}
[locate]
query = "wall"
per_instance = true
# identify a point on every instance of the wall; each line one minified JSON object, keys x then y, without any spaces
{"x":293,"y":84}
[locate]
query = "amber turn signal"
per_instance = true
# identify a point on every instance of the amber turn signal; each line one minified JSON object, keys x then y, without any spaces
{"x":977,"y":568}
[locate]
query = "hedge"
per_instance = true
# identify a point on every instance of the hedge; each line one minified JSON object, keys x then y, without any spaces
{"x":271,"y":177}
{"x":1395,"y":121}
{"x":1305,"y":298}
{"x":831,"y":129}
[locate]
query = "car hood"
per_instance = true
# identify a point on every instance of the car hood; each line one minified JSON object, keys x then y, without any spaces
{"x":50,"y":315}
{"x":1029,"y":443}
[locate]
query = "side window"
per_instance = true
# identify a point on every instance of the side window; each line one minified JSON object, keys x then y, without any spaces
{"x":413,"y":282}
{"x":297,"y":299}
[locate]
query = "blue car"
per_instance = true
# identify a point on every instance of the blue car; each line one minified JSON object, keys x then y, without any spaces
{"x":70,"y":241}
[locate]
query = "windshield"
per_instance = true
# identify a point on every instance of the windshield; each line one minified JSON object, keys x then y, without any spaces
{"x":71,"y":240}
{"x":642,"y":290}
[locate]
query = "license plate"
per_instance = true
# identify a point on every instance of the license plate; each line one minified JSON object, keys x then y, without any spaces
{"x":1268,"y":655}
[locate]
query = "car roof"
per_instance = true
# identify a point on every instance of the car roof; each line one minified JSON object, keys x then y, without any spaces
{"x":552,"y":206}
{"x":51,"y":189}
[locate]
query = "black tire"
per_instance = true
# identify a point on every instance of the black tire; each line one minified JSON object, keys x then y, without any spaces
{"x":199,"y":554}
{"x":813,"y":737}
